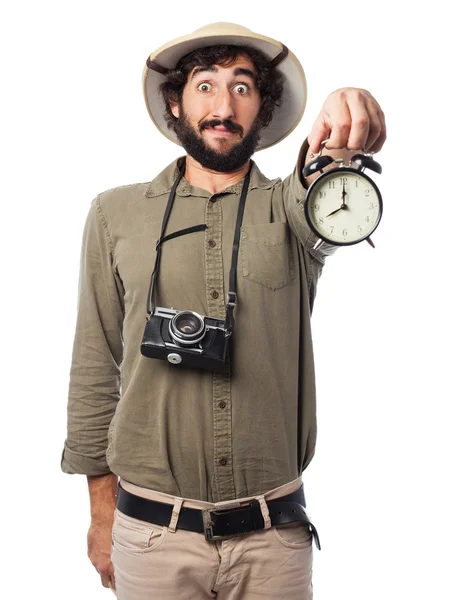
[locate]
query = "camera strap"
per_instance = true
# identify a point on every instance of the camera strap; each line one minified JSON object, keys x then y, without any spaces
{"x":232,"y":294}
{"x":232,"y":282}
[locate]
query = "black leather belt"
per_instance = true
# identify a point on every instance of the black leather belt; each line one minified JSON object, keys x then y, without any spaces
{"x":219,"y":523}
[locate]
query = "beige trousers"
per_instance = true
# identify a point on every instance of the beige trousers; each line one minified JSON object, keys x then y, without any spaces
{"x":155,"y":562}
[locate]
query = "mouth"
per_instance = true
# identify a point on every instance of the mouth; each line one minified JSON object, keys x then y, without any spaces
{"x":220,"y":131}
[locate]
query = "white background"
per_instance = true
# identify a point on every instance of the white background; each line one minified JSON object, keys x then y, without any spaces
{"x":388,"y":486}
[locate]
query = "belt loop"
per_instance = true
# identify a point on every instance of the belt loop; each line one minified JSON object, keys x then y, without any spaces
{"x":175,"y":513}
{"x":265,"y":511}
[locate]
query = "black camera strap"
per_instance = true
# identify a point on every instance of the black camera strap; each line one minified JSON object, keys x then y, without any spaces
{"x":232,"y":282}
{"x":232,"y":294}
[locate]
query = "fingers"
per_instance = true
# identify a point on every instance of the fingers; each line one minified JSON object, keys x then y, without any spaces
{"x":320,"y":131}
{"x":362,"y":127}
{"x":379,"y":142}
{"x":106,"y":572}
{"x":340,"y":123}
{"x":352,"y":119}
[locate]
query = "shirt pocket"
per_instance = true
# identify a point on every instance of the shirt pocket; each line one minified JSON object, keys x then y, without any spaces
{"x":266,"y":254}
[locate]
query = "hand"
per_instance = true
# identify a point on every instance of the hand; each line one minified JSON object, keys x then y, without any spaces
{"x":351,"y":118}
{"x":99,"y":550}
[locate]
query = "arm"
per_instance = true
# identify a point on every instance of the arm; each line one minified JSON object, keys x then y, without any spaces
{"x":103,"y":493}
{"x":294,"y":189}
{"x":352,"y":120}
{"x":94,"y":387}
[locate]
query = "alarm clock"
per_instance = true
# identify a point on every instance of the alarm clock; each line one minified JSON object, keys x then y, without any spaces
{"x":343,"y":206}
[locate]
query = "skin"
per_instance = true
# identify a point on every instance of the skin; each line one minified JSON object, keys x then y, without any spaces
{"x":103,"y":492}
{"x":219,"y":94}
{"x":350,"y":117}
{"x":352,"y":120}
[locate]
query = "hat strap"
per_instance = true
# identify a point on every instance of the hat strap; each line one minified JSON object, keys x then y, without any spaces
{"x":280,"y":57}
{"x":151,"y":64}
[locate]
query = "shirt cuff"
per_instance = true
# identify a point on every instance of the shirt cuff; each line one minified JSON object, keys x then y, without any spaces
{"x":76,"y":463}
{"x":301,"y":164}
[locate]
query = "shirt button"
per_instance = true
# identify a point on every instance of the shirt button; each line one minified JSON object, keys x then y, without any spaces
{"x":222,"y":404}
{"x":223,"y":461}
{"x":212,"y":244}
{"x":213,"y":199}
{"x":215,"y":294}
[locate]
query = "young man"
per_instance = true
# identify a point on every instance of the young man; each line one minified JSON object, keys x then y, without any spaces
{"x":183,"y":440}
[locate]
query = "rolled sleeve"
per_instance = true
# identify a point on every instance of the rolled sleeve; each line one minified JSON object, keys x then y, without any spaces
{"x":94,"y":386}
{"x":294,"y":190}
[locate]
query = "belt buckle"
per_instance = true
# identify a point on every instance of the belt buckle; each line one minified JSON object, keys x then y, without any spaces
{"x":208,"y":523}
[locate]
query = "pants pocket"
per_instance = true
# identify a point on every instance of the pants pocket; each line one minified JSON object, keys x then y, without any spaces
{"x":133,"y":536}
{"x":294,"y":535}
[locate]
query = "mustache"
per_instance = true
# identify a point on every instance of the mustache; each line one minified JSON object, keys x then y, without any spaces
{"x":229,"y":125}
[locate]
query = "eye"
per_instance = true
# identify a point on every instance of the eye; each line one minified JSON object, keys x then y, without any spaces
{"x":204,"y":86}
{"x":242,"y":88}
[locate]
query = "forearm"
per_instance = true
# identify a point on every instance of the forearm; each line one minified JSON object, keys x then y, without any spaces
{"x":103,"y":494}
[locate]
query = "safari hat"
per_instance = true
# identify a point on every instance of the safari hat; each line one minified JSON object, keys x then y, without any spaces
{"x":285,"y":117}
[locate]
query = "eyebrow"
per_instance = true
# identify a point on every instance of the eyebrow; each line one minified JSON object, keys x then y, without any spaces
{"x":212,"y":69}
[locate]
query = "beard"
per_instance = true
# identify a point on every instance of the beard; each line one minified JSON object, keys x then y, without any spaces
{"x":223,"y":161}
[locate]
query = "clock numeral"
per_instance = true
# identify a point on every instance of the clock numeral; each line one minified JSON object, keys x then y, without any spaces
{"x":368,"y":219}
{"x":345,"y":232}
{"x":317,"y":207}
{"x":367,"y":193}
{"x":359,"y":228}
{"x":321,"y":195}
{"x":331,"y":185}
{"x":357,"y":185}
{"x":321,"y":220}
{"x":371,"y":206}
{"x":344,"y":180}
{"x":332,"y":229}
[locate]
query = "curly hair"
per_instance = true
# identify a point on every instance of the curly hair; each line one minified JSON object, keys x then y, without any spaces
{"x":269,"y":80}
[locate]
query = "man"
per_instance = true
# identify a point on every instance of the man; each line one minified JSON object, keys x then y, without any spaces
{"x":184,"y":439}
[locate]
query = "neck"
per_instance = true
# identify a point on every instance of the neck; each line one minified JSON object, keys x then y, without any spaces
{"x":212,"y":181}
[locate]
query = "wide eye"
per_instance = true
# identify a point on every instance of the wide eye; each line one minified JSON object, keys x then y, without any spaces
{"x":242,"y":88}
{"x":204,"y":86}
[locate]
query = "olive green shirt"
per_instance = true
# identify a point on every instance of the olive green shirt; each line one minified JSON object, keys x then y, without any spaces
{"x":187,"y":432}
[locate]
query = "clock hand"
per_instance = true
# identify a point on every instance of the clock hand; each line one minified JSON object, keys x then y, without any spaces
{"x":342,"y":207}
{"x":335,"y":211}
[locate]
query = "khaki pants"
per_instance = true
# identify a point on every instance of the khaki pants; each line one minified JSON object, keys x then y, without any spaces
{"x":155,"y":562}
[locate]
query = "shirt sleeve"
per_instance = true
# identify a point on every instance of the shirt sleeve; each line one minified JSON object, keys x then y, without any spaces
{"x":94,"y":386}
{"x":294,"y":190}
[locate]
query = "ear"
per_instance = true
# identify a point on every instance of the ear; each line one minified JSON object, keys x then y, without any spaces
{"x":175,"y":109}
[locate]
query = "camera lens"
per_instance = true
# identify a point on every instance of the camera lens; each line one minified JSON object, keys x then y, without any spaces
{"x":187,"y":327}
{"x":187,"y":324}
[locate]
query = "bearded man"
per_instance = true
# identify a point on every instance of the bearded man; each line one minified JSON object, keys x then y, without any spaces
{"x":204,"y":443}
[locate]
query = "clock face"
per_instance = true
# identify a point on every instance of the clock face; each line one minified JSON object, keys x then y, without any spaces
{"x":344,"y":206}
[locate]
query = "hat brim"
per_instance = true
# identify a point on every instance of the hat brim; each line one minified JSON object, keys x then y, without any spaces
{"x":285,"y":118}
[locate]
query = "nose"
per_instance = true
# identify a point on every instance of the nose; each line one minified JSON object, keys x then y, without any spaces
{"x":223,"y":105}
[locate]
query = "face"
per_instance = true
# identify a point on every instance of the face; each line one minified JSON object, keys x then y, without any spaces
{"x":217,"y":119}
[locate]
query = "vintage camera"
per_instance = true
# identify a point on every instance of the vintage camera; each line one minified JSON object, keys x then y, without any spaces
{"x":183,"y":337}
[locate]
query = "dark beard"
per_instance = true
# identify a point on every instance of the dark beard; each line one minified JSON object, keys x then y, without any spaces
{"x":227,"y":162}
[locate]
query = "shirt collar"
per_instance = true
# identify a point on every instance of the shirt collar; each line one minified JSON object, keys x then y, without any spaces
{"x":164,"y":181}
